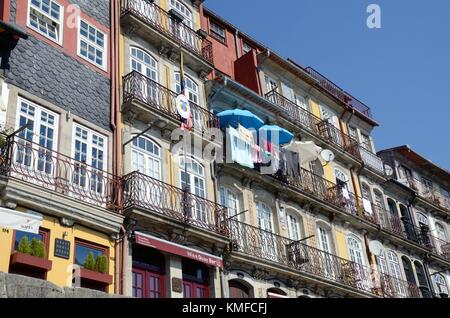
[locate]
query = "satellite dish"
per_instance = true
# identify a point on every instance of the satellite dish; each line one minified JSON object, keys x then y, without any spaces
{"x":388,"y":170}
{"x":327,"y":155}
{"x":183,"y":106}
{"x":376,"y":248}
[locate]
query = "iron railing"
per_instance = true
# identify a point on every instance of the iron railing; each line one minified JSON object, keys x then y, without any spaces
{"x":431,"y":194}
{"x":153,"y":95}
{"x":142,"y":191}
{"x":441,"y":247}
{"x":337,"y":92}
{"x":268,"y":246}
{"x":33,"y":163}
{"x":371,"y":160}
{"x":312,"y":123}
{"x":162,"y":21}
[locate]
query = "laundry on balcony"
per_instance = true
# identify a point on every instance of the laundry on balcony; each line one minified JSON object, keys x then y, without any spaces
{"x":367,"y":206}
{"x":240,"y":148}
{"x":308,"y":150}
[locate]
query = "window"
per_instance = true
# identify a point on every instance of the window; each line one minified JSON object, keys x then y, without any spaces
{"x":89,"y":151}
{"x":92,"y":44}
{"x":404,"y":173}
{"x":441,"y":233}
{"x":246,"y":47}
{"x":145,"y":157}
{"x":46,"y":17}
{"x":341,"y":178}
{"x":355,"y":250}
{"x":365,"y":142}
{"x":195,"y":279}
{"x":183,"y":10}
{"x":422,"y":219}
{"x":301,"y":101}
{"x":238,"y":290}
{"x":271,"y":84}
{"x":193,"y":179}
{"x":144,"y":63}
{"x":441,"y":285}
{"x":329,"y":115}
{"x":324,"y":239}
{"x":264,"y":216}
{"x":218,"y":32}
{"x":37,"y":141}
{"x":41,"y":236}
{"x":148,"y":272}
{"x":293,"y":227}
{"x":366,"y":192}
{"x":428,"y":184}
{"x":229,"y":199}
{"x":287,"y":92}
{"x":183,"y":33}
{"x":382,"y":265}
{"x":84,"y":249}
{"x":191,"y":88}
{"x":394,"y":266}
{"x":265,"y":222}
{"x":353,"y":132}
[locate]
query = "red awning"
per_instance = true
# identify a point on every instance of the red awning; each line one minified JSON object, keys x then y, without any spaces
{"x":177,"y":249}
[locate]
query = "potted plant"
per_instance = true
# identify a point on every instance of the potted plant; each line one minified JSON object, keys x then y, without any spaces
{"x":31,"y":254}
{"x":96,"y":269}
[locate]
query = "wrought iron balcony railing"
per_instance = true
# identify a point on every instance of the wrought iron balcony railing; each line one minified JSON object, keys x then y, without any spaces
{"x":156,"y":17}
{"x":153,"y":95}
{"x":441,"y":247}
{"x":141,"y":191}
{"x":268,"y":246}
{"x":35,"y":164}
{"x":371,"y":160}
{"x":429,"y":193}
{"x":312,"y":123}
{"x":339,"y":93}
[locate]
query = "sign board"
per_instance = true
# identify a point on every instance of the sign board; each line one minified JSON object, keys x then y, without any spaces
{"x":20,"y":221}
{"x":183,"y":106}
{"x":173,"y":248}
{"x":62,"y":248}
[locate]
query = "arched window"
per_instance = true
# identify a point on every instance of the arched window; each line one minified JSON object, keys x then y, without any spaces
{"x":265,"y":220}
{"x":146,"y":157}
{"x":229,"y":199}
{"x":143,"y":63}
{"x":409,"y":273}
{"x":276,"y":293}
{"x":294,"y":227}
{"x":238,"y":289}
{"x":441,"y":285}
{"x":366,"y":192}
{"x":394,"y":266}
{"x":392,"y":207}
{"x":192,"y":178}
{"x":191,"y":88}
{"x":422,"y":219}
{"x":355,"y":250}
{"x":422,"y":280}
{"x":183,"y":10}
{"x":324,"y":241}
{"x":341,"y":178}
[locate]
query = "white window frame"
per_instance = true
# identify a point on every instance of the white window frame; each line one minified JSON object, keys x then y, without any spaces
{"x":89,"y":142}
{"x":59,"y":40}
{"x":216,"y":31}
{"x":89,"y":42}
{"x":144,"y":64}
{"x":189,"y":17}
{"x":224,"y":194}
{"x":294,"y":228}
{"x":136,"y":150}
{"x":442,"y":282}
{"x":246,"y":45}
{"x":355,"y":250}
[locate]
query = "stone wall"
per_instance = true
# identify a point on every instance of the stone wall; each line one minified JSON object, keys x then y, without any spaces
{"x":18,"y":286}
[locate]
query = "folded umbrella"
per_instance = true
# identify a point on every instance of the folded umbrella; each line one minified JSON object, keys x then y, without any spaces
{"x":308,"y":150}
{"x":275,"y":133}
{"x":234,"y":117}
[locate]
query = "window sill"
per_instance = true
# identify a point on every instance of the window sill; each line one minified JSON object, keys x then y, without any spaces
{"x":30,"y":261}
{"x":96,"y":276}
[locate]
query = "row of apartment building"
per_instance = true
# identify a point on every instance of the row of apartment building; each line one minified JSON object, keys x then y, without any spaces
{"x":88,"y":111}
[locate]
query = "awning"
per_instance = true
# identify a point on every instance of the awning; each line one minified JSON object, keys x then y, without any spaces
{"x":177,"y":249}
{"x":21,"y":221}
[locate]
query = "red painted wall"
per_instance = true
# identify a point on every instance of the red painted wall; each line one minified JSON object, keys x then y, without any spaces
{"x":246,"y":73}
{"x":224,"y":54}
{"x":5,"y":7}
{"x":70,"y":35}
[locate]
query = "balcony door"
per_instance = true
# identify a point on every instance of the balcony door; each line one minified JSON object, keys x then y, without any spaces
{"x":89,"y":152}
{"x":33,"y":149}
{"x":145,"y":64}
{"x":271,"y":85}
{"x":192,"y":178}
{"x":325,"y":260}
{"x":398,"y":282}
{"x":146,"y":159}
{"x":358,"y":275}
{"x":183,"y":29}
{"x":192,"y":93}
{"x":265,"y":222}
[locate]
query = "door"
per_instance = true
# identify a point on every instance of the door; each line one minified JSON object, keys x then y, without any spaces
{"x":238,"y":290}
{"x":195,"y":290}
{"x":358,"y":275}
{"x":271,"y":85}
{"x":184,"y":30}
{"x":268,"y":243}
{"x":325,"y":259}
{"x":145,"y":64}
{"x":192,"y":178}
{"x":146,"y":159}
{"x":303,"y":112}
{"x":147,"y":284}
{"x":33,"y":151}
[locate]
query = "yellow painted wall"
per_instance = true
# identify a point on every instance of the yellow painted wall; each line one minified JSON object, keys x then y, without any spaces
{"x":61,"y":272}
{"x":315,"y":109}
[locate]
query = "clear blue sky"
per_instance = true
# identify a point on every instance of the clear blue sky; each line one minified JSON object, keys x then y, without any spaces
{"x":402,"y":71}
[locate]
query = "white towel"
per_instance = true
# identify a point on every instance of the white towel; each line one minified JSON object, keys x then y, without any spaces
{"x":367,"y":206}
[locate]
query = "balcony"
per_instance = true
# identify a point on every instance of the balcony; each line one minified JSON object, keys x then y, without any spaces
{"x":168,"y":33}
{"x":441,"y":247}
{"x":339,"y":94}
{"x":149,"y":100}
{"x":47,"y":181}
{"x":270,"y":247}
{"x":430,"y":194}
{"x":145,"y":197}
{"x":371,"y":160}
{"x":315,"y":125}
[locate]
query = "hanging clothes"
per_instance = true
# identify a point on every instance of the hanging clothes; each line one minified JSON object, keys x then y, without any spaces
{"x":240,"y":149}
{"x":293,"y":168}
{"x":256,"y":154}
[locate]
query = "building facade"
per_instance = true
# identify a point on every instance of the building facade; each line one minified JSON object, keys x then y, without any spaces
{"x":133,"y":193}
